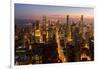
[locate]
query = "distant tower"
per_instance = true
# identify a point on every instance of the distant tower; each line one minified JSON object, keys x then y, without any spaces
{"x":44,"y":32}
{"x":67,"y":20}
{"x":69,"y":39}
{"x":82,"y":18}
{"x":37,"y":24}
{"x":67,"y":23}
{"x":81,"y":24}
{"x":44,"y":22}
{"x":38,"y":37}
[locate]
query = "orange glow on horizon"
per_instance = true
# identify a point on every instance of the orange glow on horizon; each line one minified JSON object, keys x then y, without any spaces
{"x":39,"y":17}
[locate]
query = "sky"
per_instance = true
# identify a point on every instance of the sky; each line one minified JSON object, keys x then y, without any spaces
{"x":29,"y":11}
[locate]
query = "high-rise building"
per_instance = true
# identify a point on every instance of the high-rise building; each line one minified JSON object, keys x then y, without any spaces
{"x":81,"y":24}
{"x":69,"y":39}
{"x":45,"y":30}
{"x":38,"y":36}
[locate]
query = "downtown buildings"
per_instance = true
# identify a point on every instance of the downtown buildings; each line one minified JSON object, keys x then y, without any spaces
{"x":54,"y":41}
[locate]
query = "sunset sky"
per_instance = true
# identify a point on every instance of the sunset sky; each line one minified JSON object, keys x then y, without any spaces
{"x":29,"y":11}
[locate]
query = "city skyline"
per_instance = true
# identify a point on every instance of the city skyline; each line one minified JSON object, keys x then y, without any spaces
{"x":53,"y":34}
